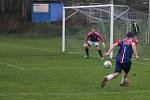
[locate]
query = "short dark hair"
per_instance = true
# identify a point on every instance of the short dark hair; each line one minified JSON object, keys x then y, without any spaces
{"x":130,"y":35}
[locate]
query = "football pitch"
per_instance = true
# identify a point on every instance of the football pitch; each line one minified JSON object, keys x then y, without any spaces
{"x":35,"y":69}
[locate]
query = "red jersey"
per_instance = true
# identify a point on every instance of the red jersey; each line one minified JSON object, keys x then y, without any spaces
{"x":94,"y":37}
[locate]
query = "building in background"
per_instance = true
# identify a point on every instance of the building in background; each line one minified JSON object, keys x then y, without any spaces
{"x":47,"y":11}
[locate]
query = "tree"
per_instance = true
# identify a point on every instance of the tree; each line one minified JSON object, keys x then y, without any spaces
{"x":2,"y":5}
{"x":26,"y":8}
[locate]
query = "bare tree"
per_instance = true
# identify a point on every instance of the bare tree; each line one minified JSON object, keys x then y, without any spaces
{"x":23,"y":8}
{"x":3,"y":5}
{"x":26,"y":5}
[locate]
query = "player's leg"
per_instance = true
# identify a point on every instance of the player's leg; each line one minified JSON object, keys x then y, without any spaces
{"x":126,"y":68}
{"x":98,"y":49}
{"x":109,"y":77}
{"x":86,"y":47}
{"x":124,"y":80}
{"x":113,"y":75}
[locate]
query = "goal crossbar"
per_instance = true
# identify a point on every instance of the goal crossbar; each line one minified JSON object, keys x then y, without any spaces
{"x":91,"y":6}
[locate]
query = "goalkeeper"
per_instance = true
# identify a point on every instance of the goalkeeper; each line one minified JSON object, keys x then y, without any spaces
{"x":95,"y":38}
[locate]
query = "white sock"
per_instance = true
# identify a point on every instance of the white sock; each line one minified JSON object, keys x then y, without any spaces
{"x":110,"y":77}
{"x":123,"y":79}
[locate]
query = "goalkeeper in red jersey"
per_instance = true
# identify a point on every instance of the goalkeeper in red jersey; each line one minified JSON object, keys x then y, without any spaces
{"x":95,"y":38}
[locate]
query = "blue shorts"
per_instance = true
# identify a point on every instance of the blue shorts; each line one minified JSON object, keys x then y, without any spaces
{"x":123,"y":66}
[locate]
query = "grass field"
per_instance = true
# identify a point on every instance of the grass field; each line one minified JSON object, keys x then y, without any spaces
{"x":34,"y":69}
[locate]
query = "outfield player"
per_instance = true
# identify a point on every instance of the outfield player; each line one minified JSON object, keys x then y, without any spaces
{"x":95,"y":38}
{"x":123,"y":58}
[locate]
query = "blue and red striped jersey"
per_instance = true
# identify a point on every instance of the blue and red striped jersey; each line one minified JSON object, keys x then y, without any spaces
{"x":125,"y":51}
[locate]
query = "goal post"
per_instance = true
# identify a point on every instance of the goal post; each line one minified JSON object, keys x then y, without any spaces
{"x":63,"y":31}
{"x":76,"y":9}
{"x":111,"y":28}
{"x":112,"y":21}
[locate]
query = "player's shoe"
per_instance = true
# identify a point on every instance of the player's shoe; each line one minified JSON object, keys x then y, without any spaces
{"x":124,"y":83}
{"x":103,"y":83}
{"x":85,"y":57}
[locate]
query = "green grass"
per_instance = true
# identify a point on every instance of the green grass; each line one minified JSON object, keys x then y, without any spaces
{"x":33,"y":69}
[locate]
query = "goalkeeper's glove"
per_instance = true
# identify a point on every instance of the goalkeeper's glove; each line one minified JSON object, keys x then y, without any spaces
{"x":103,"y":44}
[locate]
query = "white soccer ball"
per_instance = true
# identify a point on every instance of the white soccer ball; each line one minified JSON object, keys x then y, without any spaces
{"x":107,"y":64}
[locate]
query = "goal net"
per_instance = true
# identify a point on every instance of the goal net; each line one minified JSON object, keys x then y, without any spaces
{"x":143,"y":22}
{"x":112,"y":21}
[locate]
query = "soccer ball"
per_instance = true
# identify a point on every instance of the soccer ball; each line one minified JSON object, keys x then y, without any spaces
{"x":107,"y":64}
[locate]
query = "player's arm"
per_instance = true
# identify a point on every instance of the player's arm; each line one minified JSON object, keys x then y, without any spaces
{"x":135,"y":50}
{"x":116,"y":43}
{"x":111,"y":48}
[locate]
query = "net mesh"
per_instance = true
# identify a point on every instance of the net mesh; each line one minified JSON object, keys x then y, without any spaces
{"x":79,"y":21}
{"x":123,"y":24}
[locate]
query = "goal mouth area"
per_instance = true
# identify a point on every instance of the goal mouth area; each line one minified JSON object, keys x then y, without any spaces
{"x":113,"y":21}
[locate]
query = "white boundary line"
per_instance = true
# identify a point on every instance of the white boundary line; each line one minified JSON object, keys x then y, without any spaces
{"x":141,"y":63}
{"x":142,"y":59}
{"x":15,"y":46}
{"x":12,"y":45}
{"x":13,"y":66}
{"x":146,"y":59}
{"x":70,"y":94}
{"x":29,"y":47}
{"x":36,"y":68}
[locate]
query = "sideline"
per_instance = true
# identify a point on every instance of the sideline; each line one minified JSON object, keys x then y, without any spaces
{"x":13,"y":66}
{"x":69,"y":94}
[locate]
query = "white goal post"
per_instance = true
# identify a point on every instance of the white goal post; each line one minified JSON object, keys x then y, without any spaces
{"x":97,"y":12}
